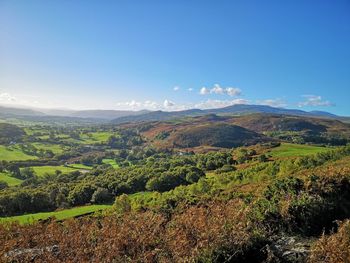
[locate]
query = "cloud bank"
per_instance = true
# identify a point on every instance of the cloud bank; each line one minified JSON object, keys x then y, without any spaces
{"x":314,"y":101}
{"x":217,"y":89}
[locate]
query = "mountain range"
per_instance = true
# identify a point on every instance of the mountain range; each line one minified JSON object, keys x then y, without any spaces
{"x":119,"y":117}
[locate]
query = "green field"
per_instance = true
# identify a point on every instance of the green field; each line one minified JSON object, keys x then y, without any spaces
{"x":293,"y":150}
{"x":60,"y":215}
{"x":111,"y":162}
{"x":11,"y":181}
{"x":96,"y":137}
{"x":42,"y":170}
{"x":55,"y":148}
{"x":80,"y":166}
{"x":13,"y":153}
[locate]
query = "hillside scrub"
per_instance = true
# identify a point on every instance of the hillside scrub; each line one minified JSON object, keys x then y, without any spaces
{"x":10,"y":133}
{"x":333,"y":248}
{"x":209,"y":231}
{"x":214,"y":232}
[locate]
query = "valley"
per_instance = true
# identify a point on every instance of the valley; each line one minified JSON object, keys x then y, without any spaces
{"x":174,"y":131}
{"x":79,"y":175}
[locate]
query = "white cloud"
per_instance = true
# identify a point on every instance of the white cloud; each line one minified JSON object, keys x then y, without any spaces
{"x":148,"y":104}
{"x":204,"y":91}
{"x":233,"y":91}
{"x":23,"y":100}
{"x":168,"y":104}
{"x":314,"y":101}
{"x":216,"y":89}
{"x":6,"y":97}
{"x":176,"y":88}
{"x":211,"y":104}
{"x":190,"y":89}
{"x":272,"y":102}
{"x":137,"y":105}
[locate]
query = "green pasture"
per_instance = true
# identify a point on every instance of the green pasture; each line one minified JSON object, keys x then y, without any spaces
{"x":112,"y":162}
{"x":60,"y":215}
{"x":96,"y":137}
{"x":14,"y":153}
{"x":55,"y":148}
{"x":80,"y":166}
{"x":293,"y":150}
{"x":42,"y":170}
{"x":11,"y":181}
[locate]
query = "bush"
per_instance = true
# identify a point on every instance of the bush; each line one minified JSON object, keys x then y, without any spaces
{"x":3,"y":185}
{"x":81,"y":194}
{"x":334,"y":248}
{"x":101,"y":195}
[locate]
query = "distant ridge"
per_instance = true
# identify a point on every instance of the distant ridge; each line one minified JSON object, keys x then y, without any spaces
{"x":105,"y":114}
{"x":123,"y":116}
{"x":10,"y":112}
{"x":238,"y":109}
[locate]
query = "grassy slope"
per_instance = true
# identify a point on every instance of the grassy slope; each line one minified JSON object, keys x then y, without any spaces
{"x":11,"y":181}
{"x":13,"y":154}
{"x":293,"y":150}
{"x":93,"y":138}
{"x":80,"y":166}
{"x":111,"y":162}
{"x":63,"y":214}
{"x":97,"y":137}
{"x":42,"y":170}
{"x":55,"y":148}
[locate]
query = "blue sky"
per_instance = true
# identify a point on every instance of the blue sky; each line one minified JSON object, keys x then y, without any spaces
{"x":175,"y":54}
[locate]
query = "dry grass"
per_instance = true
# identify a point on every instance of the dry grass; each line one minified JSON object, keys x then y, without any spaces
{"x":334,"y":248}
{"x":219,"y":230}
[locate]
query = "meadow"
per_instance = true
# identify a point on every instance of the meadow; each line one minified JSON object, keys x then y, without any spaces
{"x":42,"y":170}
{"x":59,"y":215}
{"x":55,"y":148}
{"x":96,"y":137}
{"x":79,"y":166}
{"x":294,"y":150}
{"x":14,"y":153}
{"x":111,"y":162}
{"x":11,"y":181}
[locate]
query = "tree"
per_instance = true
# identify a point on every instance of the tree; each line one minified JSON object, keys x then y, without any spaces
{"x":262,"y":158}
{"x":3,"y":185}
{"x":27,"y":173}
{"x":242,"y":155}
{"x":101,"y":195}
{"x":81,"y":194}
{"x":163,"y":183}
{"x":115,"y":142}
{"x":122,"y":204}
{"x":14,"y":170}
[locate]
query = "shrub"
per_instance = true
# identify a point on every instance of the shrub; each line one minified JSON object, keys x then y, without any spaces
{"x":101,"y":195}
{"x":3,"y":185}
{"x":334,"y":248}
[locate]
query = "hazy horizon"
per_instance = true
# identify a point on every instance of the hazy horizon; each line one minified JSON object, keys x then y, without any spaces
{"x":174,"y":56}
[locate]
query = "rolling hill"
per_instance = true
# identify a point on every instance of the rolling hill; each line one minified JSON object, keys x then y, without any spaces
{"x":274,"y":123}
{"x":12,"y":112}
{"x":231,"y":131}
{"x":105,"y":114}
{"x":10,"y":133}
{"x":218,"y":135}
{"x":120,"y":116}
{"x":238,"y":109}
